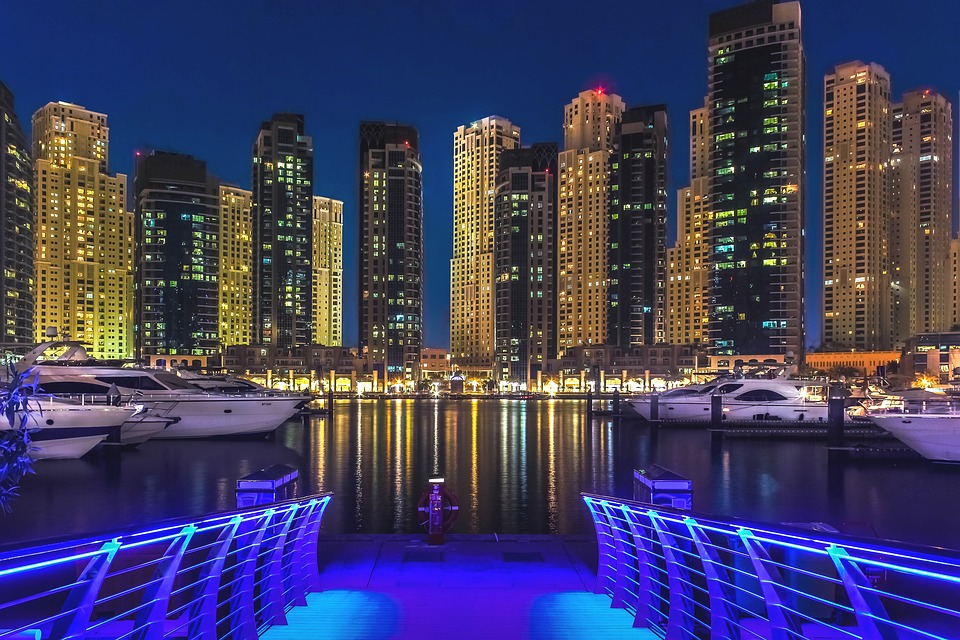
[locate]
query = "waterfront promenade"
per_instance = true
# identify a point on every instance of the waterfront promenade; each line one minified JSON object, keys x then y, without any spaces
{"x":473,"y":586}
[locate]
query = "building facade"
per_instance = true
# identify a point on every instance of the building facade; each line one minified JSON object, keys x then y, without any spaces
{"x":583,"y":212}
{"x":177,"y":258}
{"x":757,"y":125}
{"x":856,"y":187}
{"x":16,"y":227}
{"x":84,"y":233}
{"x":524,"y":232}
{"x":476,"y":157}
{"x":282,"y":232}
{"x":236,"y":266}
{"x":327,"y":271}
{"x":391,"y":250}
{"x":637,"y":228}
{"x":922,"y":202}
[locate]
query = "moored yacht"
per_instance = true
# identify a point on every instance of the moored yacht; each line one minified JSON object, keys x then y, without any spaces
{"x":744,"y":399}
{"x":927,"y":422}
{"x":64,"y":429}
{"x":197,"y":413}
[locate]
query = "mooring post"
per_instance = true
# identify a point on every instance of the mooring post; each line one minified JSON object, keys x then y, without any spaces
{"x":330,"y":402}
{"x":589,"y":404}
{"x":716,"y":410}
{"x":655,"y":407}
{"x":835,"y":415}
{"x":616,"y":402}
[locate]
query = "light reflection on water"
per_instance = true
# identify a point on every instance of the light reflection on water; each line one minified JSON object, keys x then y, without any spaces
{"x":517,"y":467}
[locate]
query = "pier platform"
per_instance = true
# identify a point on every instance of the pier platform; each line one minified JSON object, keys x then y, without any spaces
{"x":473,"y":586}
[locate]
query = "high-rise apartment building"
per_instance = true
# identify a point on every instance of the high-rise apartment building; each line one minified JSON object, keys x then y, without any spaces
{"x":583,"y":209}
{"x":391,"y":250}
{"x":757,"y":123}
{"x":16,"y":227}
{"x":637,"y":228}
{"x":856,"y":209}
{"x":688,"y":264}
{"x":922,"y":203}
{"x":327,"y":271}
{"x":476,"y":156}
{"x":282,"y":219}
{"x":177,"y":258}
{"x":236,"y":266}
{"x":524,"y":292}
{"x":84,"y":233}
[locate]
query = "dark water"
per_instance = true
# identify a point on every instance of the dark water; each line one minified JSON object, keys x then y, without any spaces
{"x":517,"y":467}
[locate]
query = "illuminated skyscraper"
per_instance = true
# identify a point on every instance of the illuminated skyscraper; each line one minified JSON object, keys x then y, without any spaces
{"x":637,"y":232}
{"x":524,"y":286}
{"x":688,"y":266}
{"x":391,"y":250}
{"x":84,"y":233}
{"x":236,"y":266}
{"x":327,"y":271}
{"x":922,"y":202}
{"x":16,"y":227}
{"x":476,"y":157}
{"x":856,"y":172}
{"x":282,"y":219}
{"x":177,"y":259}
{"x":583,"y":207}
{"x":756,"y":100}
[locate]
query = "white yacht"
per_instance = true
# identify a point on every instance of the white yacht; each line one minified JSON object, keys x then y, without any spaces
{"x":928,"y":423}
{"x":64,"y":429}
{"x":744,"y":399}
{"x":197,"y":413}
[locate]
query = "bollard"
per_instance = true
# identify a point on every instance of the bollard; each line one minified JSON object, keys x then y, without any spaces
{"x":330,"y":402}
{"x":589,"y":405}
{"x":616,"y":402}
{"x":835,"y":415}
{"x":655,"y":407}
{"x":716,"y":410}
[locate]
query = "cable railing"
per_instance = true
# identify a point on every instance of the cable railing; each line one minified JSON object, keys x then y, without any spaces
{"x":226,"y":575}
{"x":684,"y":575}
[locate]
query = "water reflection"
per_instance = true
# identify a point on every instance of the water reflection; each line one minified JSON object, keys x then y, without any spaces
{"x":517,"y":467}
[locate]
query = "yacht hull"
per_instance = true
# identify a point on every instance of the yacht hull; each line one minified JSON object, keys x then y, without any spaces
{"x":699,"y":410}
{"x":142,"y":427}
{"x":71,"y":431}
{"x":230,"y":416}
{"x":934,"y":436}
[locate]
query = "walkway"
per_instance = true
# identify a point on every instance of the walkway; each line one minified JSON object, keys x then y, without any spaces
{"x":474,"y":587}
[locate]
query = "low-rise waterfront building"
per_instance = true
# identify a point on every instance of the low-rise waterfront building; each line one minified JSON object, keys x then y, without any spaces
{"x":609,"y":367}
{"x":863,"y":360}
{"x":935,"y":355}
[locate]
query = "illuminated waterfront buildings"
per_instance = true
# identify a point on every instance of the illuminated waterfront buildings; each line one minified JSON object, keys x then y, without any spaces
{"x":16,"y":227}
{"x":84,"y":233}
{"x":327,"y":264}
{"x":757,"y":123}
{"x":856,"y":172}
{"x":476,"y":156}
{"x":282,"y":219}
{"x":177,"y":258}
{"x":524,"y":232}
{"x":390,"y":203}
{"x":637,"y":228}
{"x":236,"y":265}
{"x":583,"y":205}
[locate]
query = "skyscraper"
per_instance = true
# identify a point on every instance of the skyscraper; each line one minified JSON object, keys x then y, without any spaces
{"x":688,"y":265}
{"x":856,"y":149}
{"x":236,"y":266}
{"x":327,"y":271}
{"x":177,"y":259}
{"x":391,"y":250}
{"x":922,"y":202}
{"x":524,"y":289}
{"x":756,"y":100}
{"x":84,"y":233}
{"x":476,"y":157}
{"x":637,"y":233}
{"x":583,"y":206}
{"x":282,"y":218}
{"x":16,"y":227}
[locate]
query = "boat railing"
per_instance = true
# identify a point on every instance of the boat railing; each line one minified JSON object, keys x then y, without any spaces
{"x":892,"y":404}
{"x":686,"y":575}
{"x":225,"y":574}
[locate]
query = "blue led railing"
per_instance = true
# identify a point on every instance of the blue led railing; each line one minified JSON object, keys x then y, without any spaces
{"x":227,"y":575}
{"x":684,"y":575}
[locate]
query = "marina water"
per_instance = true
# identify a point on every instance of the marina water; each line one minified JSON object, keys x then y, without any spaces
{"x":516,"y":466}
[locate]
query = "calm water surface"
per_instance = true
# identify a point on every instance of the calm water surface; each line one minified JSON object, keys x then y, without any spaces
{"x":517,"y":467}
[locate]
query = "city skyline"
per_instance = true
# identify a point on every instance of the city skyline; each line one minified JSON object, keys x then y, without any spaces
{"x":139,"y":119}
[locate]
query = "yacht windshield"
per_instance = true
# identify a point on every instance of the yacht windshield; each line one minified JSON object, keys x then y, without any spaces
{"x":173,"y":381}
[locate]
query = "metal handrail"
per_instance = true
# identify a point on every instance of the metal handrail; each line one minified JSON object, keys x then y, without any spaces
{"x":689,"y":575}
{"x":228,"y":574}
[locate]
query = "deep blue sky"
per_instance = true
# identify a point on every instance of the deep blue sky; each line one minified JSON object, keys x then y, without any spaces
{"x":199,"y":76}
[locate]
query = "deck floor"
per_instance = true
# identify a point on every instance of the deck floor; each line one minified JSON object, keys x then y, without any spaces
{"x":470,"y":587}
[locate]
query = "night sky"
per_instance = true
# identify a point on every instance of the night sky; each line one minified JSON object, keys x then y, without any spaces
{"x":198,"y":77}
